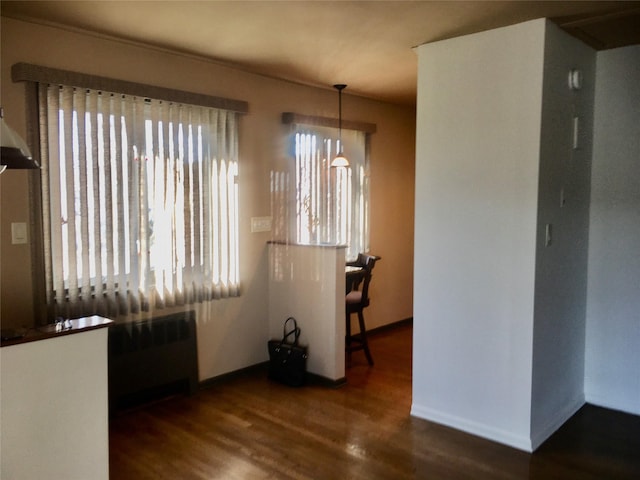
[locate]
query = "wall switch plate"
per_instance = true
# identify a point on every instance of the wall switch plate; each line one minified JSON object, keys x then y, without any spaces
{"x":576,"y":133}
{"x":547,"y":235}
{"x":260,"y":224}
{"x":18,"y":233}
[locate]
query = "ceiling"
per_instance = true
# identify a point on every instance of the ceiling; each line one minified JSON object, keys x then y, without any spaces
{"x":365,"y":44}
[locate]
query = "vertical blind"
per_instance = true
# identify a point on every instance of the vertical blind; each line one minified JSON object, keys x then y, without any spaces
{"x":140,"y":202}
{"x":331,"y":203}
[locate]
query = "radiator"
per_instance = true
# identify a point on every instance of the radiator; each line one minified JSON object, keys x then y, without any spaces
{"x":152,"y":357}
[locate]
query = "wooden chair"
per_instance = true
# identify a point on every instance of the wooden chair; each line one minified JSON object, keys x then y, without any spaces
{"x":356,"y":301}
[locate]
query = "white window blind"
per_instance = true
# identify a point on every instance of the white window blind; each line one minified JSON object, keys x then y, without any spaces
{"x":140,"y":202}
{"x":332,"y":204}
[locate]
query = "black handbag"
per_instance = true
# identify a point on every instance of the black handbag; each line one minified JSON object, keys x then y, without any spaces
{"x":287,"y":359}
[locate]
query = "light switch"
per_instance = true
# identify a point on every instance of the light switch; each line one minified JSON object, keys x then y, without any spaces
{"x":18,"y":233}
{"x":260,"y":224}
{"x":547,"y":235}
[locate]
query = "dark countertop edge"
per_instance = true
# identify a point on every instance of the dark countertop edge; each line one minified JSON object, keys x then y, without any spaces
{"x":78,"y":325}
{"x":293,"y":244}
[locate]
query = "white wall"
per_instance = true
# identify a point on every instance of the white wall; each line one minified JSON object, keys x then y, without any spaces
{"x":612,"y":373}
{"x":477,"y":141}
{"x":561,"y":267}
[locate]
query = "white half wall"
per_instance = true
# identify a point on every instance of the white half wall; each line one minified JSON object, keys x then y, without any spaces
{"x":307,"y":282}
{"x":477,"y":140}
{"x":612,"y":374}
{"x":54,"y":415}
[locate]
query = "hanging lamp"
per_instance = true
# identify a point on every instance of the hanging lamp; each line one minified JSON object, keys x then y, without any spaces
{"x":340,"y":160}
{"x":14,"y":152}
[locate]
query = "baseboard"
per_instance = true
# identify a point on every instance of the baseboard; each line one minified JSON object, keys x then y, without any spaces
{"x":315,"y":379}
{"x":632,"y":408}
{"x":390,"y":326}
{"x":312,"y":378}
{"x":236,"y":373}
{"x":497,"y":435}
{"x":474,"y":428}
{"x":556,"y":422}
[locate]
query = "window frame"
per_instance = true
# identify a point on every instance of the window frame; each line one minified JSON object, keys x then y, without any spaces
{"x":328,"y":127}
{"x":31,"y":76}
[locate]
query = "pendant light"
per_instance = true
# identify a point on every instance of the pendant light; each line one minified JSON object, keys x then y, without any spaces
{"x":14,"y":152}
{"x":340,"y":160}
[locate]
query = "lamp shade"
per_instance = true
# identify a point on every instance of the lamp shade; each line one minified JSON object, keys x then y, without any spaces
{"x":14,"y":152}
{"x":340,"y":161}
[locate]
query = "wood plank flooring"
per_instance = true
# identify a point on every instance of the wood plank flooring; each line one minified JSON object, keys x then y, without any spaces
{"x":247,"y":427}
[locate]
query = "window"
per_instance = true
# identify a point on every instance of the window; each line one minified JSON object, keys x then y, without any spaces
{"x":332,"y":204}
{"x":140,"y":201}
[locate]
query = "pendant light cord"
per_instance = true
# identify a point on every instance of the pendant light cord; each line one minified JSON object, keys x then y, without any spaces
{"x":340,"y":87}
{"x":340,"y":160}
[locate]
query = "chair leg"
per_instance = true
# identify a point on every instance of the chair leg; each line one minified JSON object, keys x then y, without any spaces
{"x":347,"y":337}
{"x":363,"y":336}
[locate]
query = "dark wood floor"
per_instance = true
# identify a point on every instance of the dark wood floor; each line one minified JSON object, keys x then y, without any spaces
{"x":247,"y":427}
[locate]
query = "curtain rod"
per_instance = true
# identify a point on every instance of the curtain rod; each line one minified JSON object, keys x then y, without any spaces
{"x":25,"y":72}
{"x":290,"y":117}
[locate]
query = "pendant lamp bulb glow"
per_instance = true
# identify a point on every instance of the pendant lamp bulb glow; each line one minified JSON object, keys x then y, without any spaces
{"x":340,"y":160}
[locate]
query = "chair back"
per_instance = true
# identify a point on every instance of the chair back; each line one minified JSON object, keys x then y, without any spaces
{"x":363,"y":260}
{"x":367,"y":262}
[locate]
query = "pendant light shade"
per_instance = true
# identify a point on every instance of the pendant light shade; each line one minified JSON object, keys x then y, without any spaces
{"x":14,"y":152}
{"x":340,"y":160}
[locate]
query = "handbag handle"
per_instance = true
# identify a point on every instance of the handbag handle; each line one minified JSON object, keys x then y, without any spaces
{"x":295,"y":331}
